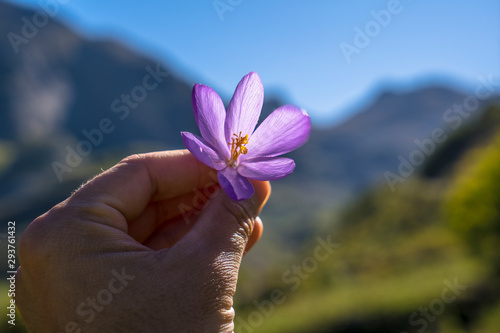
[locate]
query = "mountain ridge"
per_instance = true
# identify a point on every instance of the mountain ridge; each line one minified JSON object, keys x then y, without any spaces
{"x":60,"y":90}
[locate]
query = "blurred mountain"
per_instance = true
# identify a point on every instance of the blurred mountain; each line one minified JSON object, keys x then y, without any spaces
{"x":360,"y":150}
{"x":62,"y":94}
{"x":396,"y":251}
{"x":59,"y":83}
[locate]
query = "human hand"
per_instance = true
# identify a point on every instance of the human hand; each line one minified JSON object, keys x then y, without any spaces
{"x":122,"y":254}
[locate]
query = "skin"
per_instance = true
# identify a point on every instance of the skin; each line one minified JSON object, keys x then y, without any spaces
{"x":180,"y":267}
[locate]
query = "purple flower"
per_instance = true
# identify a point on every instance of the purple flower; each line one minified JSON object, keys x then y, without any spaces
{"x":229,"y":143}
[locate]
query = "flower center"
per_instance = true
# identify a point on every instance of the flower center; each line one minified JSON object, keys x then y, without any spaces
{"x":237,"y":143}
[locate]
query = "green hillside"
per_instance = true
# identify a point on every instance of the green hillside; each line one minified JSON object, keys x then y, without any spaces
{"x":338,"y":254}
{"x":421,"y":258}
{"x":400,"y":254}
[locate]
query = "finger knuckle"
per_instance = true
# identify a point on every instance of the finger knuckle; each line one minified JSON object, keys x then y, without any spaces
{"x":243,"y":217}
{"x":35,"y":241}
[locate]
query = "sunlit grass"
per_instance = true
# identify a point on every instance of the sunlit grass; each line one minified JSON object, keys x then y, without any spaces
{"x":403,"y":293}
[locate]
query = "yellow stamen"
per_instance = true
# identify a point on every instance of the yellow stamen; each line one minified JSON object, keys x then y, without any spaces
{"x":237,"y":143}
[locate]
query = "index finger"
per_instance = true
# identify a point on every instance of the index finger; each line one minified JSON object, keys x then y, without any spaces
{"x":129,"y":186}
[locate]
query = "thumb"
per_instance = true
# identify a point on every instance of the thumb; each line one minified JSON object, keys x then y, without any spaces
{"x":227,"y":225}
{"x":207,"y":259}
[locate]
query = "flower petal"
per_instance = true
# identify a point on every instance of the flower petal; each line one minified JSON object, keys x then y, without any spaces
{"x":204,"y":153}
{"x":210,"y":115}
{"x":285,"y":129}
{"x":245,"y":106}
{"x":237,"y":187}
{"x":266,"y":168}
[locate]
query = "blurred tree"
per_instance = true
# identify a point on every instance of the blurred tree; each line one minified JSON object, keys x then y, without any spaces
{"x":473,"y":202}
{"x":479,"y":131}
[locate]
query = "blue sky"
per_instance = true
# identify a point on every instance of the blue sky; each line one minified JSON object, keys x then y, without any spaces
{"x":295,"y":46}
